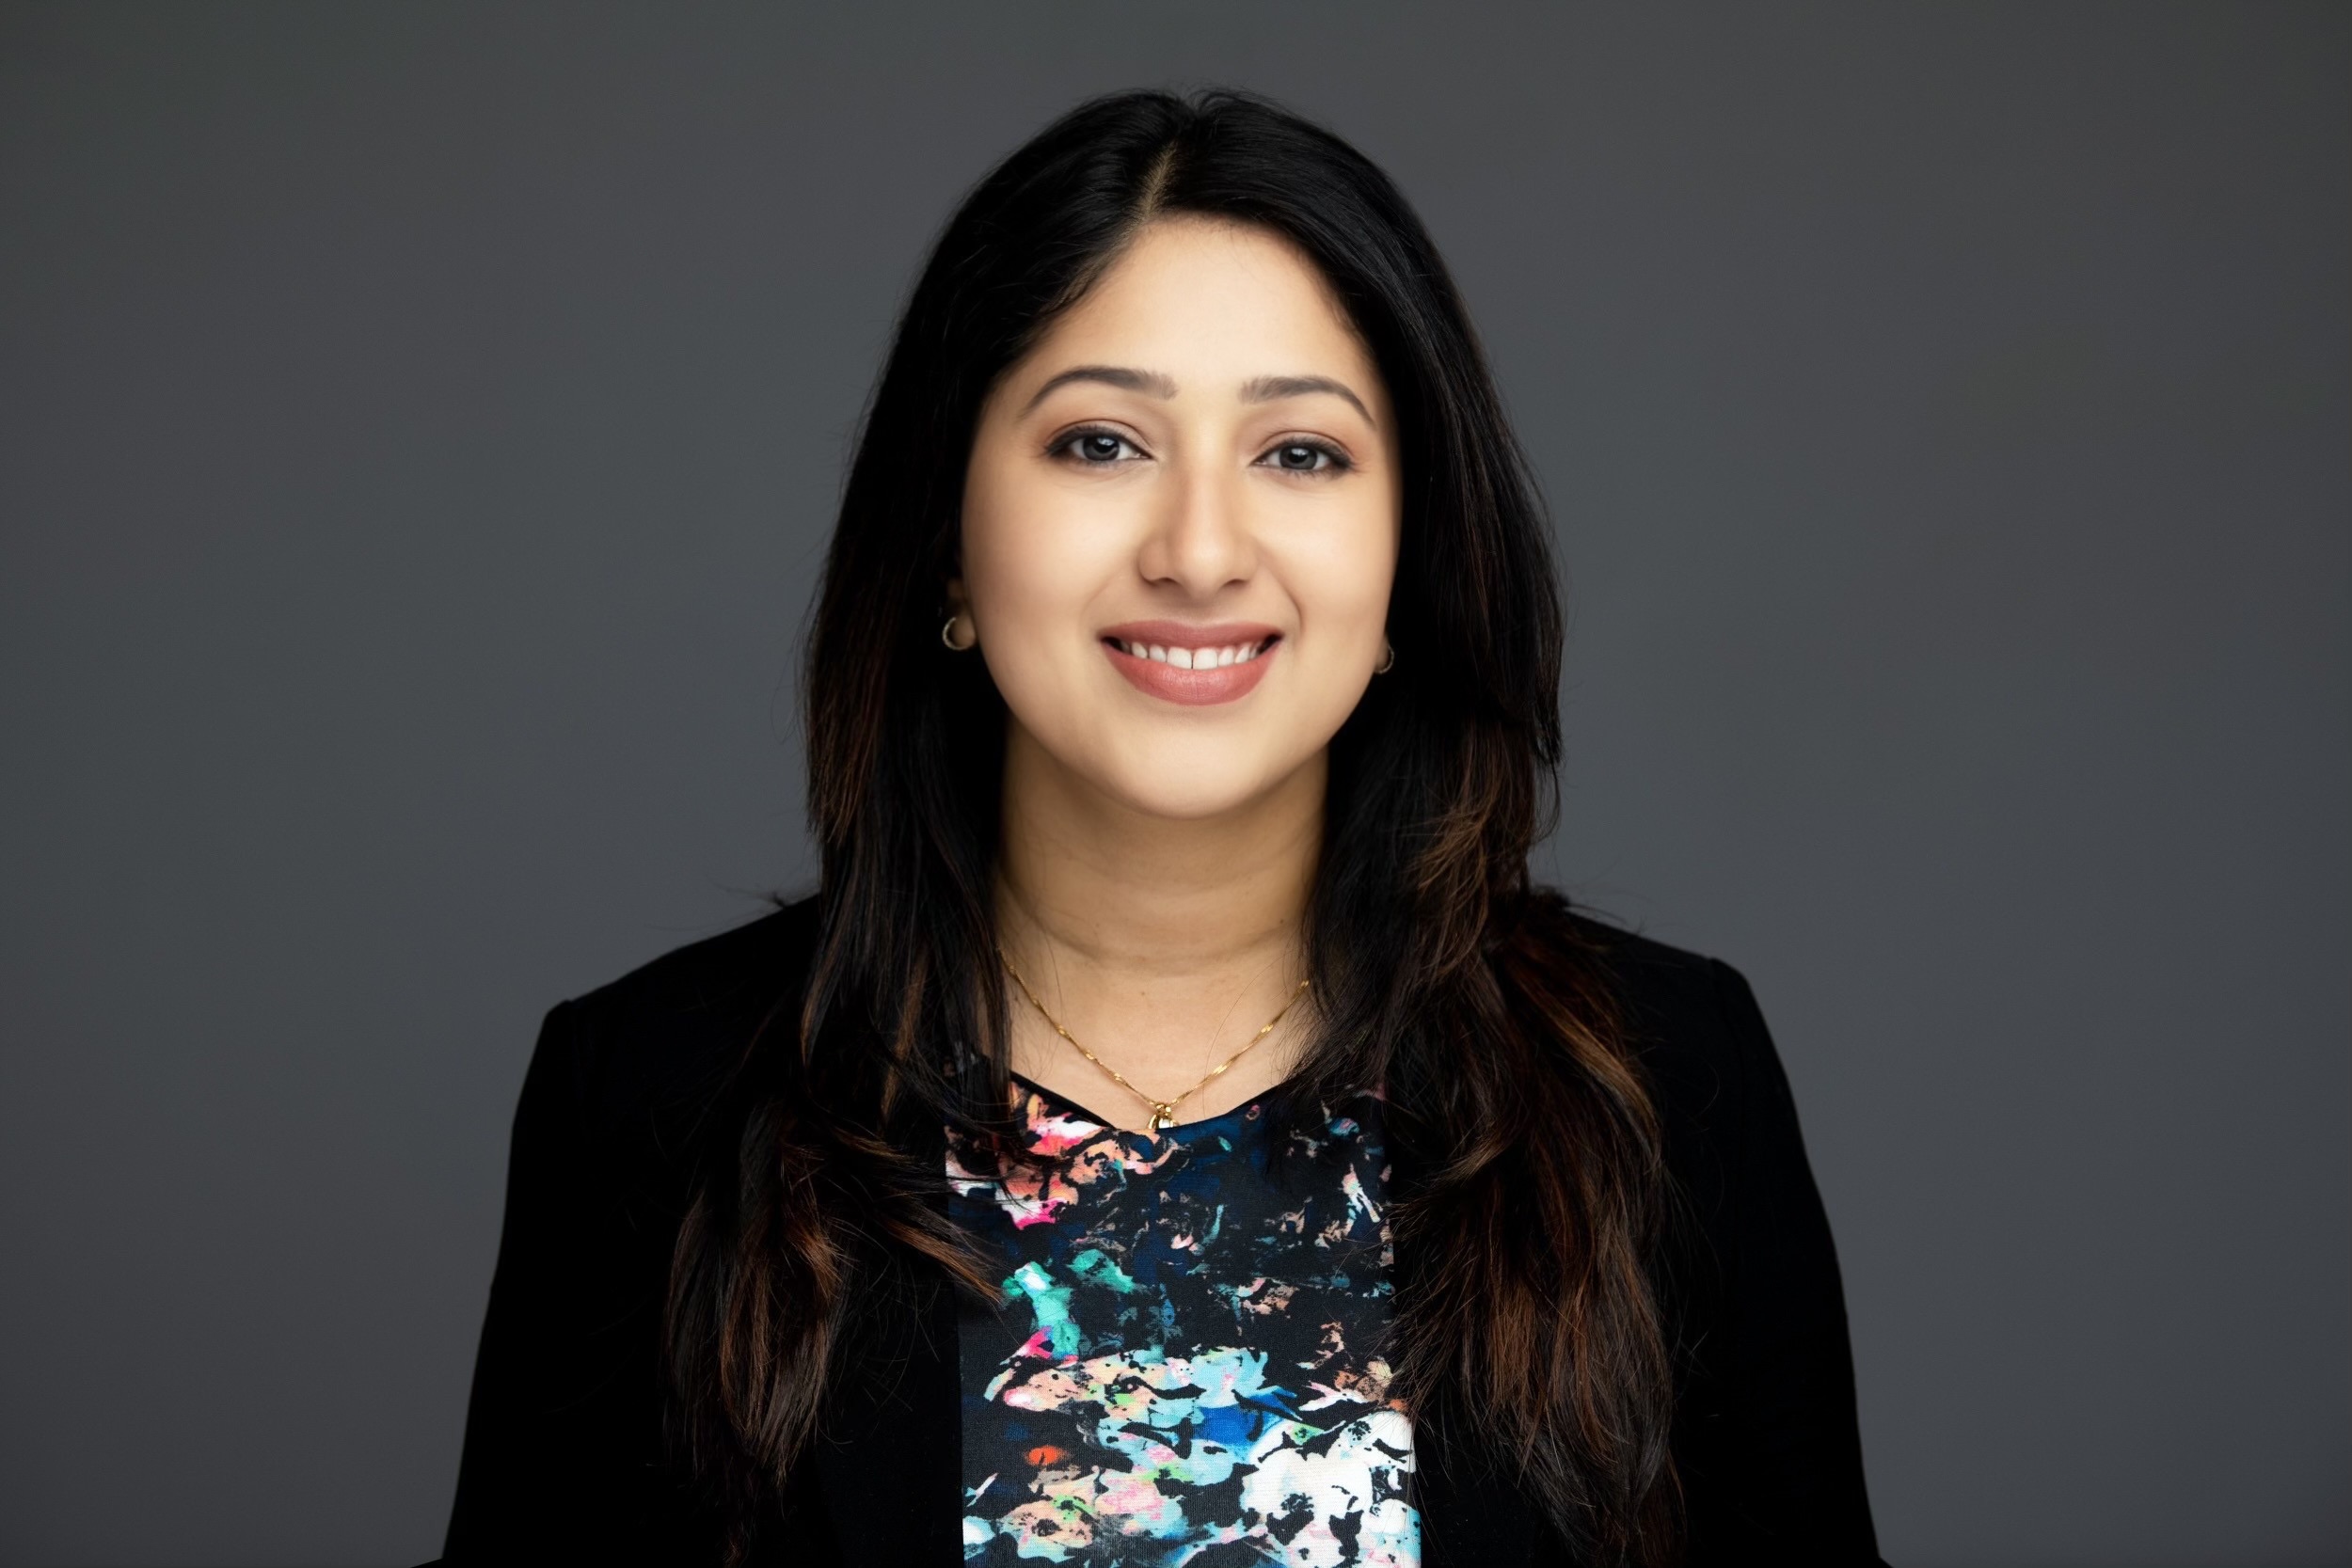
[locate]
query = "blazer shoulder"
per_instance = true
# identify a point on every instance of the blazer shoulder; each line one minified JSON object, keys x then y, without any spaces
{"x":1692,"y":1019}
{"x":715,"y":975}
{"x":666,"y":1036}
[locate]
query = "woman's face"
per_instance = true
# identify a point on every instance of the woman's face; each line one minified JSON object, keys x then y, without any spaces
{"x":1179,"y":524}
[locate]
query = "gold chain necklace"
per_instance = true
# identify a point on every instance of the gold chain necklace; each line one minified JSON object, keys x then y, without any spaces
{"x":1163,"y":1111}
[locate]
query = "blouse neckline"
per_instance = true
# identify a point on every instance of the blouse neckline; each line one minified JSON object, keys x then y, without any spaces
{"x":1179,"y":1132}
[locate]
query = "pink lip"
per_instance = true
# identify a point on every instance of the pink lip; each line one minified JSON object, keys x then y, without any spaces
{"x":1191,"y":688}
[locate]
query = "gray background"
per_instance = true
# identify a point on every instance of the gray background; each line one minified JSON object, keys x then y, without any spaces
{"x":418,"y":430}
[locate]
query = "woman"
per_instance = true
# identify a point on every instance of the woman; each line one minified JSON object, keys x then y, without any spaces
{"x":1177,"y":1132}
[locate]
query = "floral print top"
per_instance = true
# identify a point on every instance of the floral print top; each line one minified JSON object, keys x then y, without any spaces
{"x":1183,"y":1366}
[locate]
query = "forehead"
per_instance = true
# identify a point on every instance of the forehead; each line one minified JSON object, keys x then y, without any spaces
{"x":1225,"y":302}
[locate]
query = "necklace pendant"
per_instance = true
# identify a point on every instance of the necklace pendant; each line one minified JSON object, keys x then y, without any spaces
{"x":1163,"y":1116}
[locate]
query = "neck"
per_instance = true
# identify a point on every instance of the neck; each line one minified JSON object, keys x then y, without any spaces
{"x":1160,"y":945}
{"x":1099,"y":884}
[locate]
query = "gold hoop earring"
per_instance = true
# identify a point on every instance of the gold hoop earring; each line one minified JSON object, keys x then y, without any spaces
{"x":947,"y":636}
{"x":1387,"y":657}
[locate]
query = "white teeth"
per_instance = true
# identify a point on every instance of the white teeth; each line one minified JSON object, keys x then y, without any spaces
{"x":1191,"y":658}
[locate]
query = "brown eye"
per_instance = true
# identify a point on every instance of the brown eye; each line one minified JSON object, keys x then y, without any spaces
{"x":1098,"y":447}
{"x":1303,"y":457}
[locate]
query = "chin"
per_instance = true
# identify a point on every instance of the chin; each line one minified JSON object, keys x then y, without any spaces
{"x":1189,"y":801}
{"x":1193,"y":783}
{"x":1179,"y":771}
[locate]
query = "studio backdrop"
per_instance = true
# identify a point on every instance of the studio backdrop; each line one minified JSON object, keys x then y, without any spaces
{"x":419,"y":424}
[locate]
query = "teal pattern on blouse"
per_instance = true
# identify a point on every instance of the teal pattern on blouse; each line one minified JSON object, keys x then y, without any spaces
{"x":1184,"y":1367}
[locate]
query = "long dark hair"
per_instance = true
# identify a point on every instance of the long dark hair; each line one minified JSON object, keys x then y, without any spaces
{"x":1526,"y":1326}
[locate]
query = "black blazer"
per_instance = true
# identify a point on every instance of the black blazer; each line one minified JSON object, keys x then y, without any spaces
{"x":565,"y":1457}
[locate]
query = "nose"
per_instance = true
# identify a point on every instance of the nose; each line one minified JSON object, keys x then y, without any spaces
{"x":1200,"y":539}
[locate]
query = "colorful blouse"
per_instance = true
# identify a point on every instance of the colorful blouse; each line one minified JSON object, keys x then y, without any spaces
{"x":1185,"y":1365}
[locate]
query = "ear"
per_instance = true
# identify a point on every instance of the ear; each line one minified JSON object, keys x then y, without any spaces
{"x":958,"y":600}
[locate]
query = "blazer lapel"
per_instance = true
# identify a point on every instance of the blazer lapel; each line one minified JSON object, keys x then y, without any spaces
{"x":890,"y":1464}
{"x":1472,"y":1514}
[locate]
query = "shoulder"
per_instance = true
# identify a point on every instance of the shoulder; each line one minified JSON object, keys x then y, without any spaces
{"x":1692,"y":1020}
{"x":1733,"y":1147}
{"x":1670,"y":996}
{"x":655,"y":1046}
{"x":1766,"y":1444}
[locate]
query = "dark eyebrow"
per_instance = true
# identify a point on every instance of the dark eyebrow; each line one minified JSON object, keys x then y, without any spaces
{"x":1153,"y":381}
{"x":1266,"y":388}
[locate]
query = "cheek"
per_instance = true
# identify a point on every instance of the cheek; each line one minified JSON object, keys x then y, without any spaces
{"x":1342,"y":577}
{"x":1034,"y":559}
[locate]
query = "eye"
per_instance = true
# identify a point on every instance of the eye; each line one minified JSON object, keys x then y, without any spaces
{"x":1096,"y":449}
{"x":1306,"y":457}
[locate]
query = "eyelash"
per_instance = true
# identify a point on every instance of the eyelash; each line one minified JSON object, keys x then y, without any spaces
{"x":1066,"y":445}
{"x":1335,"y":461}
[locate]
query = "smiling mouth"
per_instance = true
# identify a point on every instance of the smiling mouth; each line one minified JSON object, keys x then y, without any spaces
{"x":1192,"y":666}
{"x":1194,"y":658}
